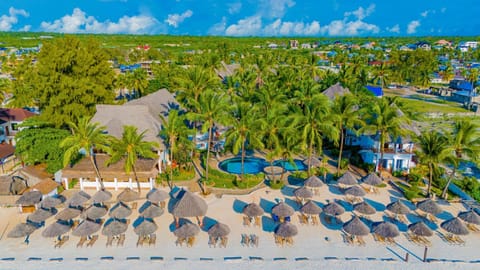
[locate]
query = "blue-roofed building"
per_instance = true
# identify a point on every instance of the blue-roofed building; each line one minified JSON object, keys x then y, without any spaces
{"x":461,"y":85}
{"x":376,"y":90}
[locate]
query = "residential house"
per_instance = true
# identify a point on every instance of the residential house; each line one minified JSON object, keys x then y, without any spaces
{"x":10,"y":119}
{"x":306,"y":46}
{"x":293,"y":44}
{"x":423,"y":45}
{"x":467,"y":45}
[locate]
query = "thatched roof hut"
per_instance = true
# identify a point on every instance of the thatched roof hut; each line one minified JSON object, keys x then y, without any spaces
{"x":253,"y":210}
{"x":355,"y":191}
{"x":356,"y":227}
{"x":372,"y":179}
{"x":101,"y":196}
{"x":311,"y":208}
{"x":114,"y":227}
{"x":303,"y":192}
{"x":282,"y":209}
{"x":120,"y":210}
{"x":398,"y":207}
{"x":150,"y":210}
{"x":189,"y":205}
{"x":420,"y":229}
{"x":286,"y":229}
{"x":313,"y":182}
{"x":78,"y":199}
{"x":57,"y":228}
{"x":347,"y":179}
{"x":95,"y":211}
{"x":429,"y":206}
{"x":187,"y":230}
{"x":128,"y":195}
{"x":470,"y":217}
{"x":219,"y":230}
{"x":30,"y":198}
{"x":157,"y":195}
{"x":21,"y":230}
{"x":386,"y":229}
{"x":333,"y":209}
{"x":86,"y":228}
{"x":314,"y":162}
{"x":144,"y":226}
{"x":364,"y":208}
{"x":455,"y":226}
{"x":52,"y":201}
{"x":41,"y":214}
{"x":68,"y":213}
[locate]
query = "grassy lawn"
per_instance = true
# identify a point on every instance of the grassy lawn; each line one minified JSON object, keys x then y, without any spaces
{"x":178,"y":175}
{"x":424,"y":106}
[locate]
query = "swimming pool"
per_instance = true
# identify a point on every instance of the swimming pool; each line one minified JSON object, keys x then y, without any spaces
{"x":252,"y":165}
{"x":297,"y":166}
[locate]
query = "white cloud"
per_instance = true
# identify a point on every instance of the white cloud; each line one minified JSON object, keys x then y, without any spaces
{"x":234,"y":8}
{"x":349,"y":28}
{"x":175,"y":19}
{"x":291,"y":28}
{"x":79,"y":22}
{"x":412,"y":27}
{"x":273,"y":9}
{"x":428,"y":12}
{"x":25,"y":28}
{"x":218,"y":28}
{"x":361,"y":13}
{"x":245,"y":27}
{"x":7,"y":21}
{"x":394,"y":29}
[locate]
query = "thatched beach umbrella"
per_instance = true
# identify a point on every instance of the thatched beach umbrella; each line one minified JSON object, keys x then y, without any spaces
{"x":333,"y":209}
{"x":347,"y":179}
{"x":313,"y":182}
{"x":455,"y":226}
{"x":41,"y":214}
{"x":21,"y":230}
{"x":314,"y":162}
{"x":398,"y":208}
{"x":114,"y":227}
{"x":68,"y":213}
{"x":356,"y":227}
{"x":86,"y":228}
{"x":355,"y":191}
{"x":79,"y":198}
{"x":52,"y":201}
{"x":144,"y":226}
{"x":386,"y":229}
{"x":253,"y":210}
{"x":420,"y":229}
{"x":219,"y":230}
{"x":187,"y":230}
{"x":120,"y":210}
{"x":101,"y":196}
{"x":286,"y":229}
{"x":282,"y":209}
{"x":128,"y":195}
{"x":57,"y":228}
{"x":30,"y":198}
{"x":311,"y":208}
{"x":189,"y":205}
{"x":372,"y":179}
{"x":157,"y":195}
{"x":150,"y":210}
{"x":303,"y":193}
{"x":429,"y":206}
{"x":95,"y":211}
{"x":364,"y":208}
{"x":470,"y":217}
{"x":273,"y":170}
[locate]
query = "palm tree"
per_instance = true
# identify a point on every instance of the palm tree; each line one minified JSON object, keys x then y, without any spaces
{"x":131,"y":146}
{"x":381,"y":75}
{"x":432,"y":150}
{"x":85,"y":136}
{"x":137,"y":80}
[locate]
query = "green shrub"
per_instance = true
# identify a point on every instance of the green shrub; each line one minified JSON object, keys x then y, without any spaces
{"x":72,"y":183}
{"x":277,"y":185}
{"x":344,"y":163}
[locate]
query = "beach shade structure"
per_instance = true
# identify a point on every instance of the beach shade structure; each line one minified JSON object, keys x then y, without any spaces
{"x":22,"y":230}
{"x":68,"y":213}
{"x":398,"y":208}
{"x":355,"y":191}
{"x":455,"y":226}
{"x":420,"y":229}
{"x":356,"y":227}
{"x":113,"y":227}
{"x":347,"y":179}
{"x":57,"y":228}
{"x":386,"y":229}
{"x":364,"y":208}
{"x":282,"y":210}
{"x":311,"y":208}
{"x":372,"y":179}
{"x":187,"y":230}
{"x":253,"y":210}
{"x":219,"y":230}
{"x":30,"y":198}
{"x":273,"y":170}
{"x":144,"y":226}
{"x":52,"y":201}
{"x":150,"y":210}
{"x":101,"y":196}
{"x":41,"y":214}
{"x":303,"y":193}
{"x":78,"y":199}
{"x":157,"y":195}
{"x":314,"y":162}
{"x":120,"y":210}
{"x":86,"y":228}
{"x":95,"y":211}
{"x":429,"y":206}
{"x":470,"y":217}
{"x":189,"y":205}
{"x":286,"y":229}
{"x":128,"y":195}
{"x":313,"y":182}
{"x":333,"y":209}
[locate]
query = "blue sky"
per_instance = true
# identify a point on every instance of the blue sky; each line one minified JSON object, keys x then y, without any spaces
{"x":245,"y":17}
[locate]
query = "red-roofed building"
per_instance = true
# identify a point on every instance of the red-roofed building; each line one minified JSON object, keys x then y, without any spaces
{"x":10,"y":118}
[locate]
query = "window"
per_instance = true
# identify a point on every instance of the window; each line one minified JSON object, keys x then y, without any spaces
{"x":15,"y":126}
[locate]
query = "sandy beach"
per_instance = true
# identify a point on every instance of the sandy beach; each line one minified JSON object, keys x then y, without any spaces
{"x":315,"y":246}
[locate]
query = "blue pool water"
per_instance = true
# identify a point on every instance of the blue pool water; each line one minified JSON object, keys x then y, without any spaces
{"x":252,"y":165}
{"x":298,"y":166}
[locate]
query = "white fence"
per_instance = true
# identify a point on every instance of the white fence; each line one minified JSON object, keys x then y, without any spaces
{"x":84,"y":183}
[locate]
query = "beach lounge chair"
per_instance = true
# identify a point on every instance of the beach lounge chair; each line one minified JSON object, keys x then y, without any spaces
{"x":190,"y":241}
{"x":315,"y":220}
{"x":302,"y":219}
{"x":254,"y":240}
{"x":153,"y":239}
{"x":62,"y":241}
{"x":140,"y":240}
{"x":245,"y":240}
{"x":246,"y":221}
{"x":109,"y":241}
{"x":258,"y":222}
{"x":92,"y":240}
{"x":348,"y":239}
{"x":223,"y":242}
{"x":134,"y":205}
{"x":361,"y":241}
{"x":212,"y":241}
{"x":121,"y":240}
{"x":82,"y":240}
{"x":180,"y":241}
{"x":289,"y":241}
{"x":472,"y":227}
{"x":379,"y":238}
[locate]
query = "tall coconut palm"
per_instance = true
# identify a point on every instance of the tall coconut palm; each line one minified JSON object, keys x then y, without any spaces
{"x":131,"y":147}
{"x":86,"y":137}
{"x":138,"y":81}
{"x":381,"y":75}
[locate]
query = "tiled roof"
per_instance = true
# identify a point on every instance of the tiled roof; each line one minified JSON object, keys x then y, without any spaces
{"x":15,"y":114}
{"x":6,"y":150}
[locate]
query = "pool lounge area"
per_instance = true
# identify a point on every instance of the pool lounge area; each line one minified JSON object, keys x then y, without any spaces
{"x":254,"y":165}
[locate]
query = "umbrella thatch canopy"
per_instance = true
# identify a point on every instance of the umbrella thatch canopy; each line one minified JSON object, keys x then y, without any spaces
{"x":313,"y":182}
{"x":187,"y":230}
{"x":398,"y":207}
{"x":120,"y":210}
{"x":429,"y":206}
{"x":356,"y":227}
{"x":86,"y":228}
{"x":364,"y":208}
{"x":30,"y":198}
{"x":273,"y":170}
{"x":282,"y":209}
{"x":253,"y":210}
{"x":78,"y":199}
{"x":470,"y":217}
{"x":101,"y":196}
{"x":311,"y":208}
{"x":303,"y":192}
{"x":386,"y":229}
{"x":57,"y":228}
{"x":455,"y":226}
{"x":333,"y":209}
{"x":420,"y":229}
{"x":355,"y":191}
{"x":68,"y":213}
{"x":52,"y":201}
{"x":21,"y":230}
{"x":128,"y":195}
{"x":41,"y":214}
{"x":219,"y":230}
{"x":372,"y":179}
{"x":347,"y":179}
{"x":157,"y":195}
{"x":314,"y":162}
{"x":189,"y":205}
{"x":144,"y":226}
{"x":95,"y":211}
{"x":286,"y":229}
{"x":114,"y":227}
{"x":150,"y":210}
